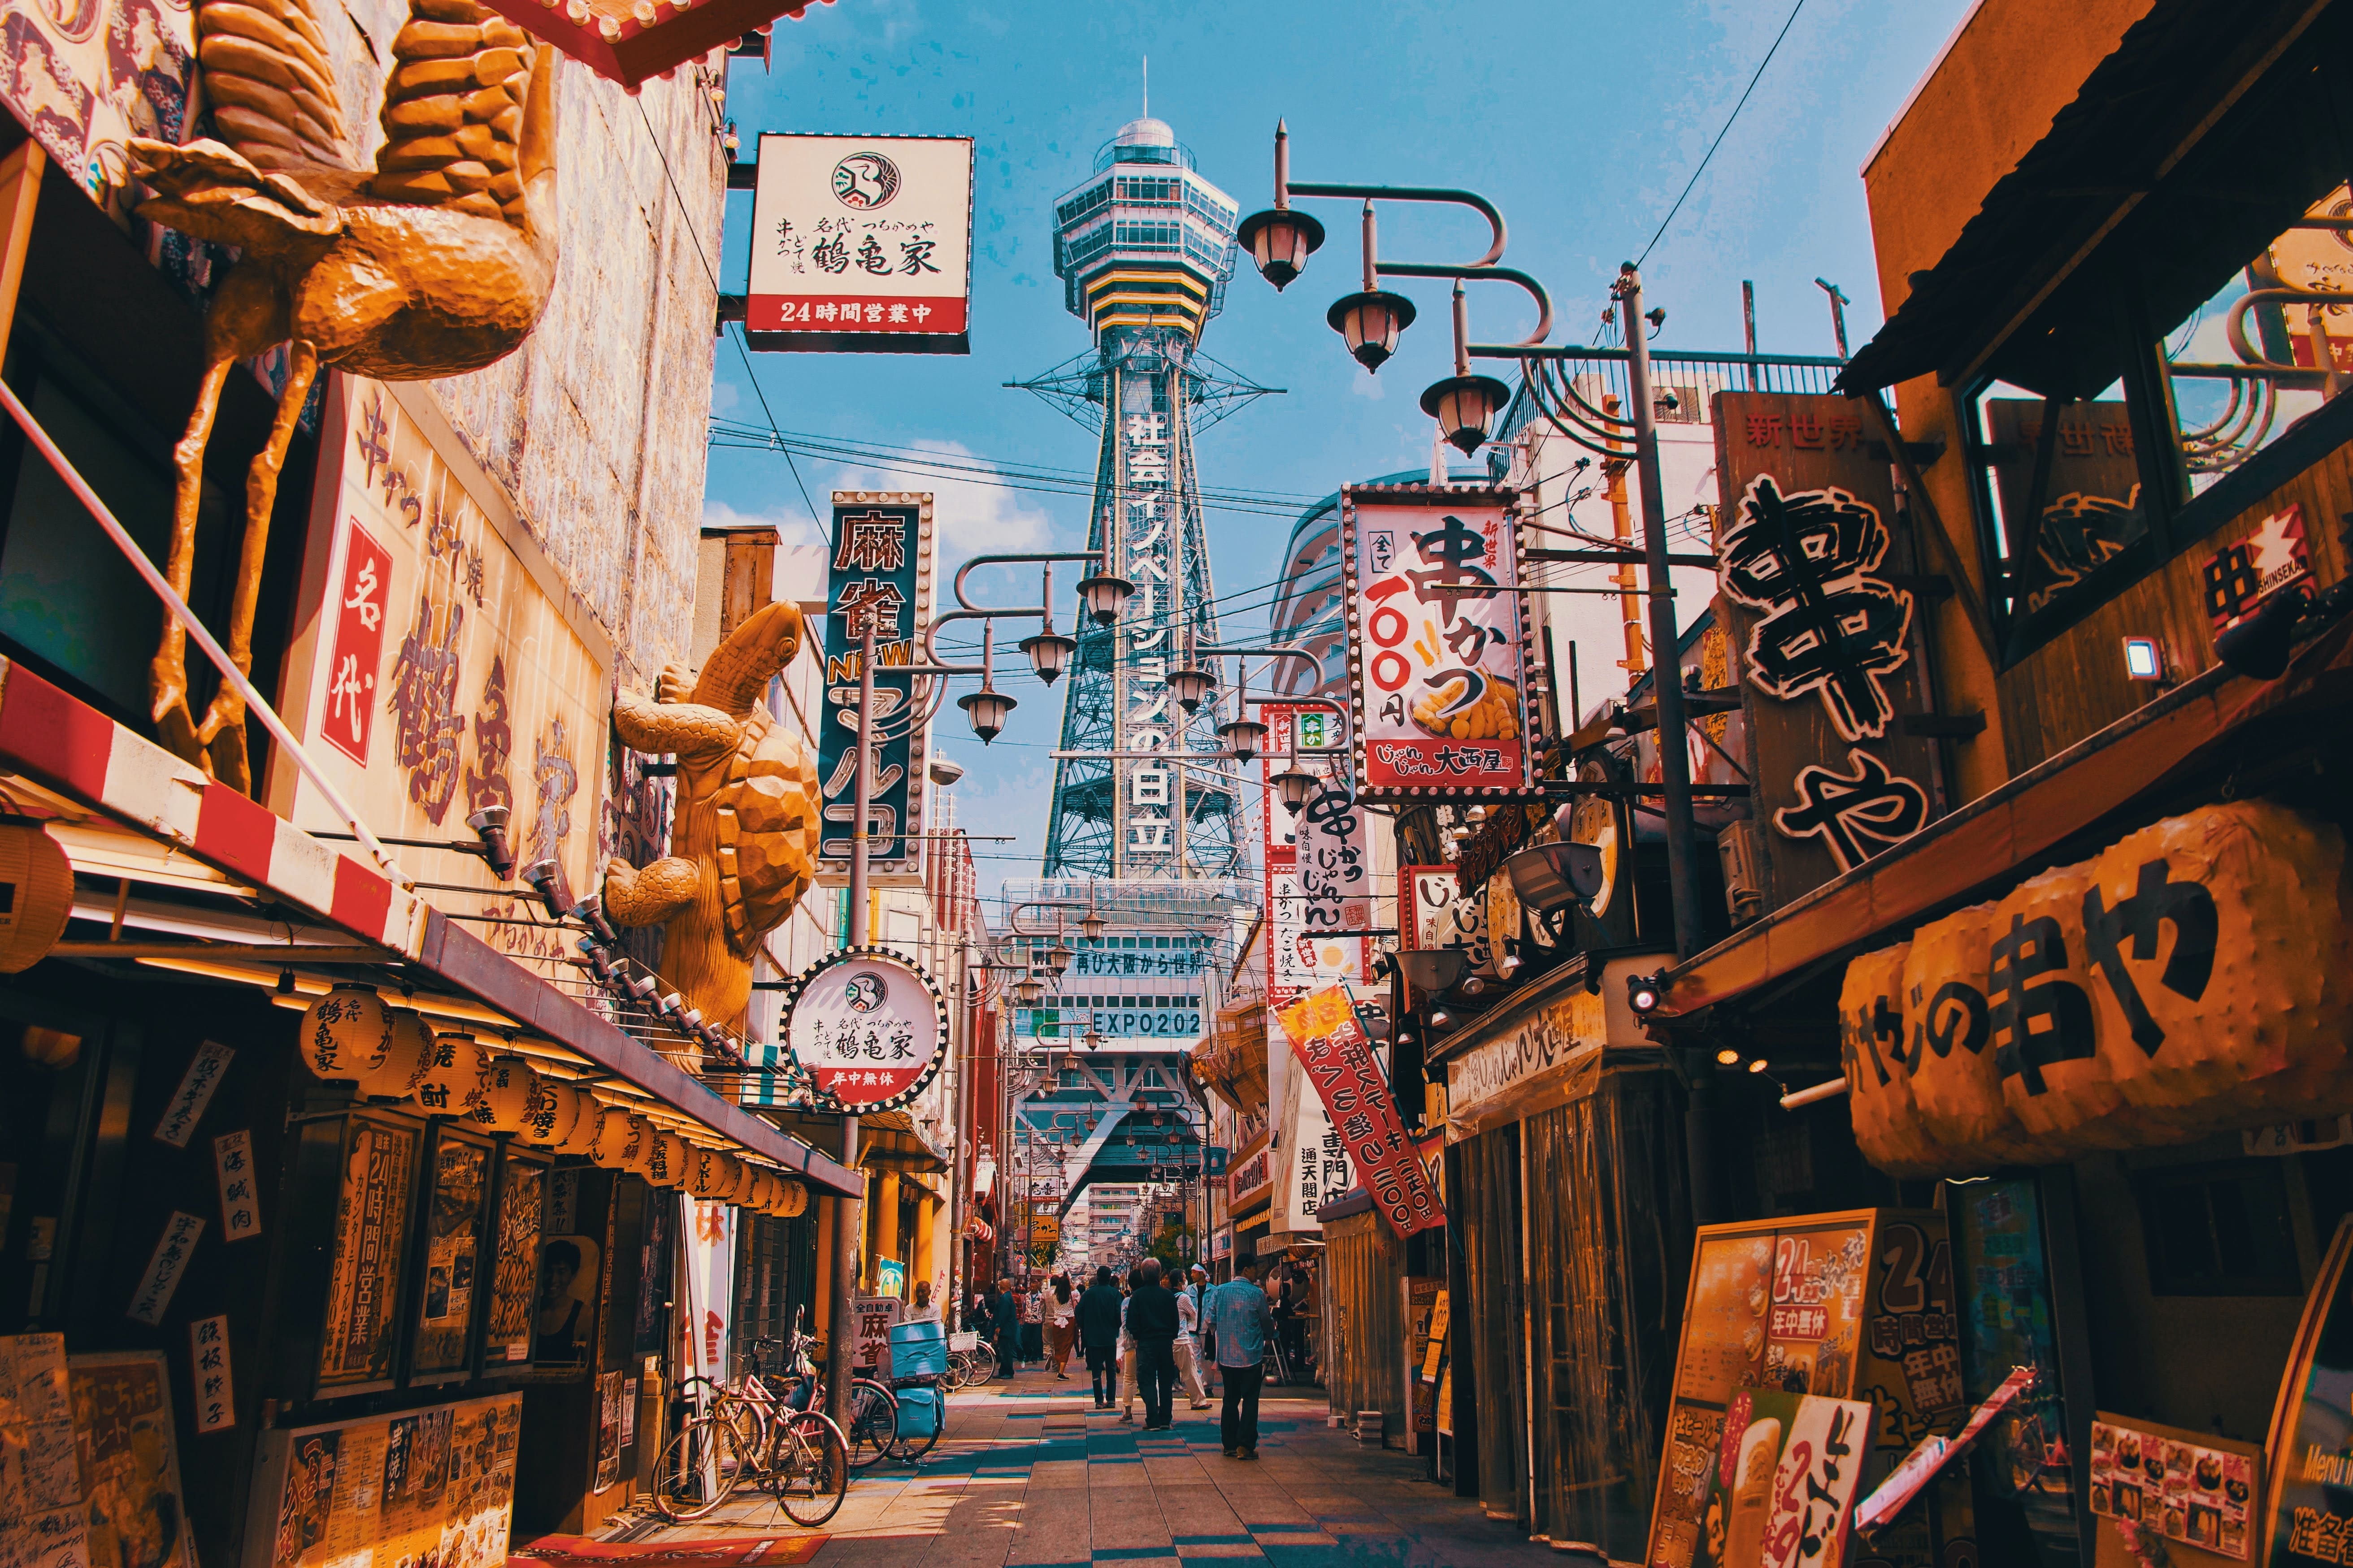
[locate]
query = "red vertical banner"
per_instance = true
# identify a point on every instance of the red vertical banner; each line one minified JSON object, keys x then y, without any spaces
{"x":1331,"y":1044}
{"x":359,"y":643}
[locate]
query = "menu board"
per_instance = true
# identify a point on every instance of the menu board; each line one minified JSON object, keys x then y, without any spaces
{"x":90,"y":1472}
{"x":355,"y":1343}
{"x":2308,"y":1500}
{"x":432,"y":1486}
{"x":2187,"y":1487}
{"x":1850,"y":1306}
{"x":514,"y":1262}
{"x":453,"y":1251}
{"x":1782,"y":1492}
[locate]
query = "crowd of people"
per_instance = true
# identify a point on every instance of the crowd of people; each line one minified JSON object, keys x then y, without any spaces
{"x":1157,"y":1334}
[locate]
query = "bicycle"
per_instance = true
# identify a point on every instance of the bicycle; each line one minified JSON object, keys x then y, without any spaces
{"x":873,"y":1429}
{"x":748,"y":1432}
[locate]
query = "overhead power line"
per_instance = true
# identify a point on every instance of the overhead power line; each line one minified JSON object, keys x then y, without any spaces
{"x":1720,"y":135}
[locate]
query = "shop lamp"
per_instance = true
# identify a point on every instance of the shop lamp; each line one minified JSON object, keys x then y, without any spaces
{"x":1464,"y":406}
{"x":1369,"y":324}
{"x":1059,"y":956}
{"x":509,"y":1087}
{"x":346,"y":1034}
{"x":987,"y":710}
{"x":1191,"y":688}
{"x":490,"y":826}
{"x":1104,"y":596}
{"x":1243,"y":737}
{"x":1727,"y":1057}
{"x":1642,"y":992}
{"x":1093,"y":926}
{"x":1757,"y":1066}
{"x":1551,"y":877}
{"x":1433,"y":968}
{"x":1030,"y":992}
{"x":1295,"y":786}
{"x":590,"y":911}
{"x":396,"y":1076}
{"x":1279,"y":241}
{"x":1050,"y":653}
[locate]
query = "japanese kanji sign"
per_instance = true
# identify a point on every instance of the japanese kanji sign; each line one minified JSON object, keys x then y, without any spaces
{"x":880,"y":577}
{"x":1315,"y":906}
{"x":868,"y":1028}
{"x":448,"y":665}
{"x":861,"y":243}
{"x":165,"y":1268}
{"x":215,"y":1406}
{"x":1438,"y":647}
{"x":233,"y":1165}
{"x":1330,"y":1043}
{"x":1815,"y":604}
{"x":2241,"y":578}
{"x":187,"y":1104}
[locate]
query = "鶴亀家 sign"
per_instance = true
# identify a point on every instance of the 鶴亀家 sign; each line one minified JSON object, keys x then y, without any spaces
{"x":868,"y":1028}
{"x":861,"y":243}
{"x":1438,"y":649}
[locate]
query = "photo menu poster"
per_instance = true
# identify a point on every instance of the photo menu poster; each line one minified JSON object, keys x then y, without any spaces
{"x":89,"y":1471}
{"x":356,"y":1344}
{"x":428,"y":1487}
{"x":2191,"y":1487}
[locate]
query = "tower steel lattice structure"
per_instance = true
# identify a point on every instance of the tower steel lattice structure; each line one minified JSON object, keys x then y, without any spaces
{"x":1145,"y":247}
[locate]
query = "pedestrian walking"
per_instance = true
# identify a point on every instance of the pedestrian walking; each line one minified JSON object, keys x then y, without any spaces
{"x":1062,"y":1311}
{"x":1033,"y":1322}
{"x":1127,"y":1380}
{"x":1153,"y":1321}
{"x":1098,"y":1324}
{"x":1005,"y":1313}
{"x":1187,"y":1347}
{"x":1239,"y":1318}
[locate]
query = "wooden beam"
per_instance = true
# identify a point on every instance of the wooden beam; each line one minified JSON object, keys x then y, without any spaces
{"x":1926,"y":521}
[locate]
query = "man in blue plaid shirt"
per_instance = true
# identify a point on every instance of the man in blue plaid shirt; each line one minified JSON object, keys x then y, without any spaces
{"x":1237,"y":1315}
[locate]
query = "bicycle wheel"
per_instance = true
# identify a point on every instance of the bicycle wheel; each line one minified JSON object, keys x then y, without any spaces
{"x":873,"y":1423}
{"x":952,"y":1377}
{"x":809,"y":1470}
{"x":698,"y":1471}
{"x":913,"y":1448}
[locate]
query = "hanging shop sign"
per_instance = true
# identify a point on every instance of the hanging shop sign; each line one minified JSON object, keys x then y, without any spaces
{"x":1317,"y":865}
{"x":861,"y":245}
{"x":1329,"y":1042}
{"x":2090,"y":488}
{"x":2241,"y":578}
{"x":869,"y":1027}
{"x":1551,"y":1055}
{"x":1437,"y":641}
{"x":2307,"y":1495}
{"x":434,"y":1485}
{"x":2190,"y":980}
{"x":450,"y":666}
{"x":1250,"y":1177}
{"x":1810,"y":559}
{"x":880,"y":575}
{"x":1855,"y":1305}
{"x":1310,"y":1166}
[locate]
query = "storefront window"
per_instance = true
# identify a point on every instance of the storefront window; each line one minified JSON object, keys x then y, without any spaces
{"x":2054,"y":517}
{"x":2218,"y":1230}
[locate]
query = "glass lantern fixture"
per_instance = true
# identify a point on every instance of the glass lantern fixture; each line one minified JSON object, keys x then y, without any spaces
{"x":1369,"y":323}
{"x":1279,"y":241}
{"x":1104,"y":596}
{"x":986,"y":709}
{"x":1465,"y":408}
{"x":1245,"y":738}
{"x":1191,"y":688}
{"x":1050,"y":653}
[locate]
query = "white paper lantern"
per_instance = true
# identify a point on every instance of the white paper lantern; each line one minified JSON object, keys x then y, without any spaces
{"x":713,"y":1176}
{"x":582,"y":1137}
{"x":792,"y":1200}
{"x":665,"y":1161}
{"x":33,"y":867}
{"x":747,"y":1176}
{"x":614,"y":1144}
{"x":396,"y":1076}
{"x":452,"y":1078}
{"x":346,"y":1034}
{"x":508,"y":1085}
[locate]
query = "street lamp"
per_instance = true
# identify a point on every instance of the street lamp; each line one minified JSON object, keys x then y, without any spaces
{"x":1549,"y":876}
{"x":1059,"y":956}
{"x":1369,"y":323}
{"x":1092,"y":926}
{"x":1050,"y":653}
{"x":986,"y":710}
{"x":1190,"y":687}
{"x":1030,"y":991}
{"x":1104,"y":596}
{"x":1281,"y":240}
{"x":1295,"y":786}
{"x":1243,"y":737}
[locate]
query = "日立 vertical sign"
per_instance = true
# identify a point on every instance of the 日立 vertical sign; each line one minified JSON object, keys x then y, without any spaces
{"x":861,"y":243}
{"x":880,"y":575}
{"x":1438,"y":646}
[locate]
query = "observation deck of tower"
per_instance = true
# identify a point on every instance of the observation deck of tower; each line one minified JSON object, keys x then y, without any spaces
{"x":1145,"y":246}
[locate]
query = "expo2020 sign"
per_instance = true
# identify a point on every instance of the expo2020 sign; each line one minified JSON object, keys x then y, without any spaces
{"x":869,"y":1027}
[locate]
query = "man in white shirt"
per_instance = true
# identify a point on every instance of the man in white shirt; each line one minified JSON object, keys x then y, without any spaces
{"x":1187,"y":1344}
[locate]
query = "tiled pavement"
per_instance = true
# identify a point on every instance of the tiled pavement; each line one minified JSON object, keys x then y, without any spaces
{"x":1030,"y":1476}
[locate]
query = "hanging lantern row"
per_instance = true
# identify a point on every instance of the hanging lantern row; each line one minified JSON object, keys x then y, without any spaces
{"x":389,"y":1054}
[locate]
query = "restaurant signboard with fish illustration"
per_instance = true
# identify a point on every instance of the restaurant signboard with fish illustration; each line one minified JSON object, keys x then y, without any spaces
{"x":1439,"y":654}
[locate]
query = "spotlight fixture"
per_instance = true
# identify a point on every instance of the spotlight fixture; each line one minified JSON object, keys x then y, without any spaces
{"x":2144,"y":659}
{"x":1243,"y":737}
{"x":1757,"y":1066}
{"x":987,"y":710}
{"x":1104,"y":595}
{"x":1433,"y":968}
{"x":1642,"y":992}
{"x":1727,"y":1057}
{"x":489,"y":825}
{"x":1549,"y":876}
{"x":286,"y":982}
{"x":2261,"y":645}
{"x":1190,"y":687}
{"x":590,"y":911}
{"x":1050,"y":653}
{"x":547,"y":879}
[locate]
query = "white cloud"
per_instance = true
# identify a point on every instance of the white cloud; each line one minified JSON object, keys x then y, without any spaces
{"x":974,"y":517}
{"x":793,"y":525}
{"x":1368,"y":387}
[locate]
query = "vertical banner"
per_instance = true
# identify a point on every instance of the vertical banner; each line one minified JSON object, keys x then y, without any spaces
{"x":1819,"y":628}
{"x":864,"y":245}
{"x":880,"y":575}
{"x":1330,"y":1044}
{"x":1314,"y":903}
{"x":1437,"y":641}
{"x":708,"y":1243}
{"x":1309,"y":1167}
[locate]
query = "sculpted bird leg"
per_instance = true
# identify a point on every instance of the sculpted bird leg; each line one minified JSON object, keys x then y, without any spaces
{"x":222,"y":732}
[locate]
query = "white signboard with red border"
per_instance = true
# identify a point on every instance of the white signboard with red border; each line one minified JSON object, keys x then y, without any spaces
{"x":867,"y":1027}
{"x":861,"y":243}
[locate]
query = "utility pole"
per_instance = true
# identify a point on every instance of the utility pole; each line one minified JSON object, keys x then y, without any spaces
{"x":1675,"y":741}
{"x":848,"y":1213}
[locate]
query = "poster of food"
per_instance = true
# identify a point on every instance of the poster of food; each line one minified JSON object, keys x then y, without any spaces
{"x":1855,"y":1305}
{"x":2308,"y":1495}
{"x":2185,"y":1486}
{"x":355,"y":1343}
{"x":514,"y":1263}
{"x":128,"y":1461}
{"x":429,"y":1487}
{"x":1782,"y":1492}
{"x":453,"y":1251}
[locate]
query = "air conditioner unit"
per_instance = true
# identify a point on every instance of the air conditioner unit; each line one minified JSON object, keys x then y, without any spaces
{"x":1743,"y":870}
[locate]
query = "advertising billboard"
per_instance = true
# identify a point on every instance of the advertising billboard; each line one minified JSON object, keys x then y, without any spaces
{"x":861,"y":245}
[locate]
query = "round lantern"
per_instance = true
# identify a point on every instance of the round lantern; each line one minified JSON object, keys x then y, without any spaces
{"x":36,"y":865}
{"x":346,"y":1034}
{"x":396,"y":1076}
{"x":748,"y":1177}
{"x":508,"y":1087}
{"x":2053,"y":1077}
{"x":665,"y":1161}
{"x":50,"y":1048}
{"x":452,"y":1078}
{"x":613,"y":1146}
{"x":792,"y":1200}
{"x":763,"y":1186}
{"x":581,"y":1139}
{"x":554,"y":1110}
{"x":712,"y":1173}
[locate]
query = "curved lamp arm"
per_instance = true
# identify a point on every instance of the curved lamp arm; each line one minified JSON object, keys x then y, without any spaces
{"x":1479,"y":273}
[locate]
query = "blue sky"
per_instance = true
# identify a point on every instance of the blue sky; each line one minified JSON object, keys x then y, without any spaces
{"x":1581,"y":120}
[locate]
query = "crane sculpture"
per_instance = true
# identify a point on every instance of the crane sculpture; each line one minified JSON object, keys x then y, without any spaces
{"x":436,"y":262}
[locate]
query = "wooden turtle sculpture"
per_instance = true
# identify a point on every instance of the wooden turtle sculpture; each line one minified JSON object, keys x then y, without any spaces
{"x":742,"y":841}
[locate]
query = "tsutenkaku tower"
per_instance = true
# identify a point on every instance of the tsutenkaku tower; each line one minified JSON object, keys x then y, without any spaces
{"x":1144,"y":249}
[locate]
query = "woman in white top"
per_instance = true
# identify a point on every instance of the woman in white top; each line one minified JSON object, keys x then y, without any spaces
{"x":1187,"y":1346}
{"x":1061,"y":1306}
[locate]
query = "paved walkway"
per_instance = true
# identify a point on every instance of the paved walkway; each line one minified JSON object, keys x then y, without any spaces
{"x":1031,"y":1477}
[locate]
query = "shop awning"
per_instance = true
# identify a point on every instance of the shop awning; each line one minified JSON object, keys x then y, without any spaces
{"x":127,"y":808}
{"x":1231,"y":1062}
{"x":2006,"y":831}
{"x":2179,"y":157}
{"x":887,"y":1140}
